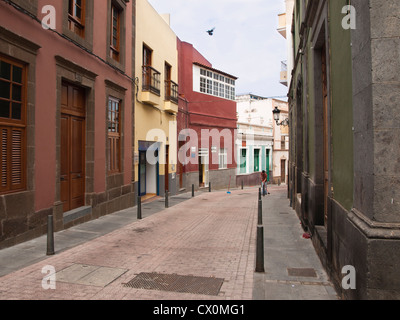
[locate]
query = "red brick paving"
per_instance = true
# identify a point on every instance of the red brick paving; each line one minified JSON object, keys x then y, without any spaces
{"x":211,"y":235}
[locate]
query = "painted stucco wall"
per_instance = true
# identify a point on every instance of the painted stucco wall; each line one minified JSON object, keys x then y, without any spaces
{"x":341,"y":107}
{"x":153,"y":31}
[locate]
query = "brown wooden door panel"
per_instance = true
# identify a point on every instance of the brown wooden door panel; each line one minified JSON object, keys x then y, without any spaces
{"x":78,"y":99}
{"x":64,"y":146}
{"x":72,"y":163}
{"x":64,"y":165}
{"x":77,"y":128}
{"x":64,"y":96}
{"x":283,"y":171}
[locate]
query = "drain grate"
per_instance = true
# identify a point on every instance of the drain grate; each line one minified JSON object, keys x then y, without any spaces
{"x":302,"y":272}
{"x":176,"y":283}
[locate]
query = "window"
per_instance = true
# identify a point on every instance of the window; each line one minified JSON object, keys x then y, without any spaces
{"x":151,"y":77}
{"x":243,"y":159}
{"x":209,"y":86}
{"x":221,"y":90}
{"x":203,"y":85}
{"x":114,"y":135}
{"x":12,"y":125}
{"x":171,"y":88}
{"x":115,"y":32}
{"x":76,"y":16}
{"x":215,"y":84}
{"x":283,"y":143}
{"x":256,"y":160}
{"x":168,"y":69}
{"x":223,"y":158}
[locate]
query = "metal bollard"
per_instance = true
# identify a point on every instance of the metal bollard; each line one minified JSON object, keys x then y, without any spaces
{"x":50,"y":236}
{"x":139,"y":207}
{"x":166,"y":199}
{"x":209,"y":187}
{"x":192,"y":190}
{"x":260,"y":211}
{"x":260,"y":249}
{"x":242,"y":184}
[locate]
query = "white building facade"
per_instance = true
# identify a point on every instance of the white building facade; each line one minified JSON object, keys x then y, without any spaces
{"x":260,"y":144}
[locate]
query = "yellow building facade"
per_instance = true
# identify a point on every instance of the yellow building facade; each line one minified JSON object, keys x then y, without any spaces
{"x":156,"y":104}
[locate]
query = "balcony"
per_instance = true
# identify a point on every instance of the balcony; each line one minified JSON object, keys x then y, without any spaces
{"x":171,"y":96}
{"x":283,"y":76}
{"x":282,"y":24}
{"x":151,"y":85}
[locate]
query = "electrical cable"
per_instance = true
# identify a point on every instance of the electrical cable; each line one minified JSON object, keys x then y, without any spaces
{"x":32,"y":16}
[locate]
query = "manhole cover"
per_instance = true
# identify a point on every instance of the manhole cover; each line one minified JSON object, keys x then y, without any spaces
{"x":283,"y":212}
{"x":302,"y":272}
{"x":176,"y":283}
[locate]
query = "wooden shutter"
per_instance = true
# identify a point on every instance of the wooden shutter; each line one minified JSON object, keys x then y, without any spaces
{"x":12,"y":159}
{"x":4,"y":158}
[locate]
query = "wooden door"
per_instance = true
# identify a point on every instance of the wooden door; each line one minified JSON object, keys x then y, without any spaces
{"x":326,"y":131}
{"x":72,"y":162}
{"x":283,"y":171}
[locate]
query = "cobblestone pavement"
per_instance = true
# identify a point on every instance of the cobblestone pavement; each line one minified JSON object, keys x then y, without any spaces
{"x":212,"y":235}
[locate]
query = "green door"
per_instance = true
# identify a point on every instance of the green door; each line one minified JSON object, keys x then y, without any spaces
{"x":243,"y":161}
{"x":256,"y":160}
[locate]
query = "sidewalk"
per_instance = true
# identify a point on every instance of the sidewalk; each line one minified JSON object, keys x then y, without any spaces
{"x":293,"y":270}
{"x":205,"y":245}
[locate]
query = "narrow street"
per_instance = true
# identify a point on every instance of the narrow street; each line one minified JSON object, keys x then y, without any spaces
{"x":200,"y":248}
{"x":211,"y":235}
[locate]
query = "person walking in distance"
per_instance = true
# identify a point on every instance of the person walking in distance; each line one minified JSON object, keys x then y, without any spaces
{"x":264,"y":179}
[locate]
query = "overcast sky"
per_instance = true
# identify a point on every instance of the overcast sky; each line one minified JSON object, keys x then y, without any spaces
{"x":245,"y":43}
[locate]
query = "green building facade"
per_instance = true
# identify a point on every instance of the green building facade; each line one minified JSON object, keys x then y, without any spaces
{"x":344,"y":166}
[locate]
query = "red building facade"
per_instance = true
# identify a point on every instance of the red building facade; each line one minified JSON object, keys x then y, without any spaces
{"x":66,"y":113}
{"x":206,"y":122}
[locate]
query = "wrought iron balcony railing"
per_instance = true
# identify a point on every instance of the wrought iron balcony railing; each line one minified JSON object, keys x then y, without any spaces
{"x":171,"y":91}
{"x":151,"y":80}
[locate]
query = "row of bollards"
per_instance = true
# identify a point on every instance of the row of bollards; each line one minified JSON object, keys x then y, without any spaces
{"x":50,"y":223}
{"x":260,"y":237}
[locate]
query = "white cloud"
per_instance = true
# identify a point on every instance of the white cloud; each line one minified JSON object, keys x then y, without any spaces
{"x":245,"y":42}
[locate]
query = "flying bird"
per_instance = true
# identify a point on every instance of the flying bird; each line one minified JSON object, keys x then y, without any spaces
{"x":211,"y":32}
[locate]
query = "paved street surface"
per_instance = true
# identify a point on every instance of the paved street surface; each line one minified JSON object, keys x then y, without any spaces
{"x":200,"y":248}
{"x":293,"y":270}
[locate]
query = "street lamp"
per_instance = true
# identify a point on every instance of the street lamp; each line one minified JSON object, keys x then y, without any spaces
{"x":277,"y":114}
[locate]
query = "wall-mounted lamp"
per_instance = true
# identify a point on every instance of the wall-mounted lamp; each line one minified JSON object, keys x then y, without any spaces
{"x":277,"y":114}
